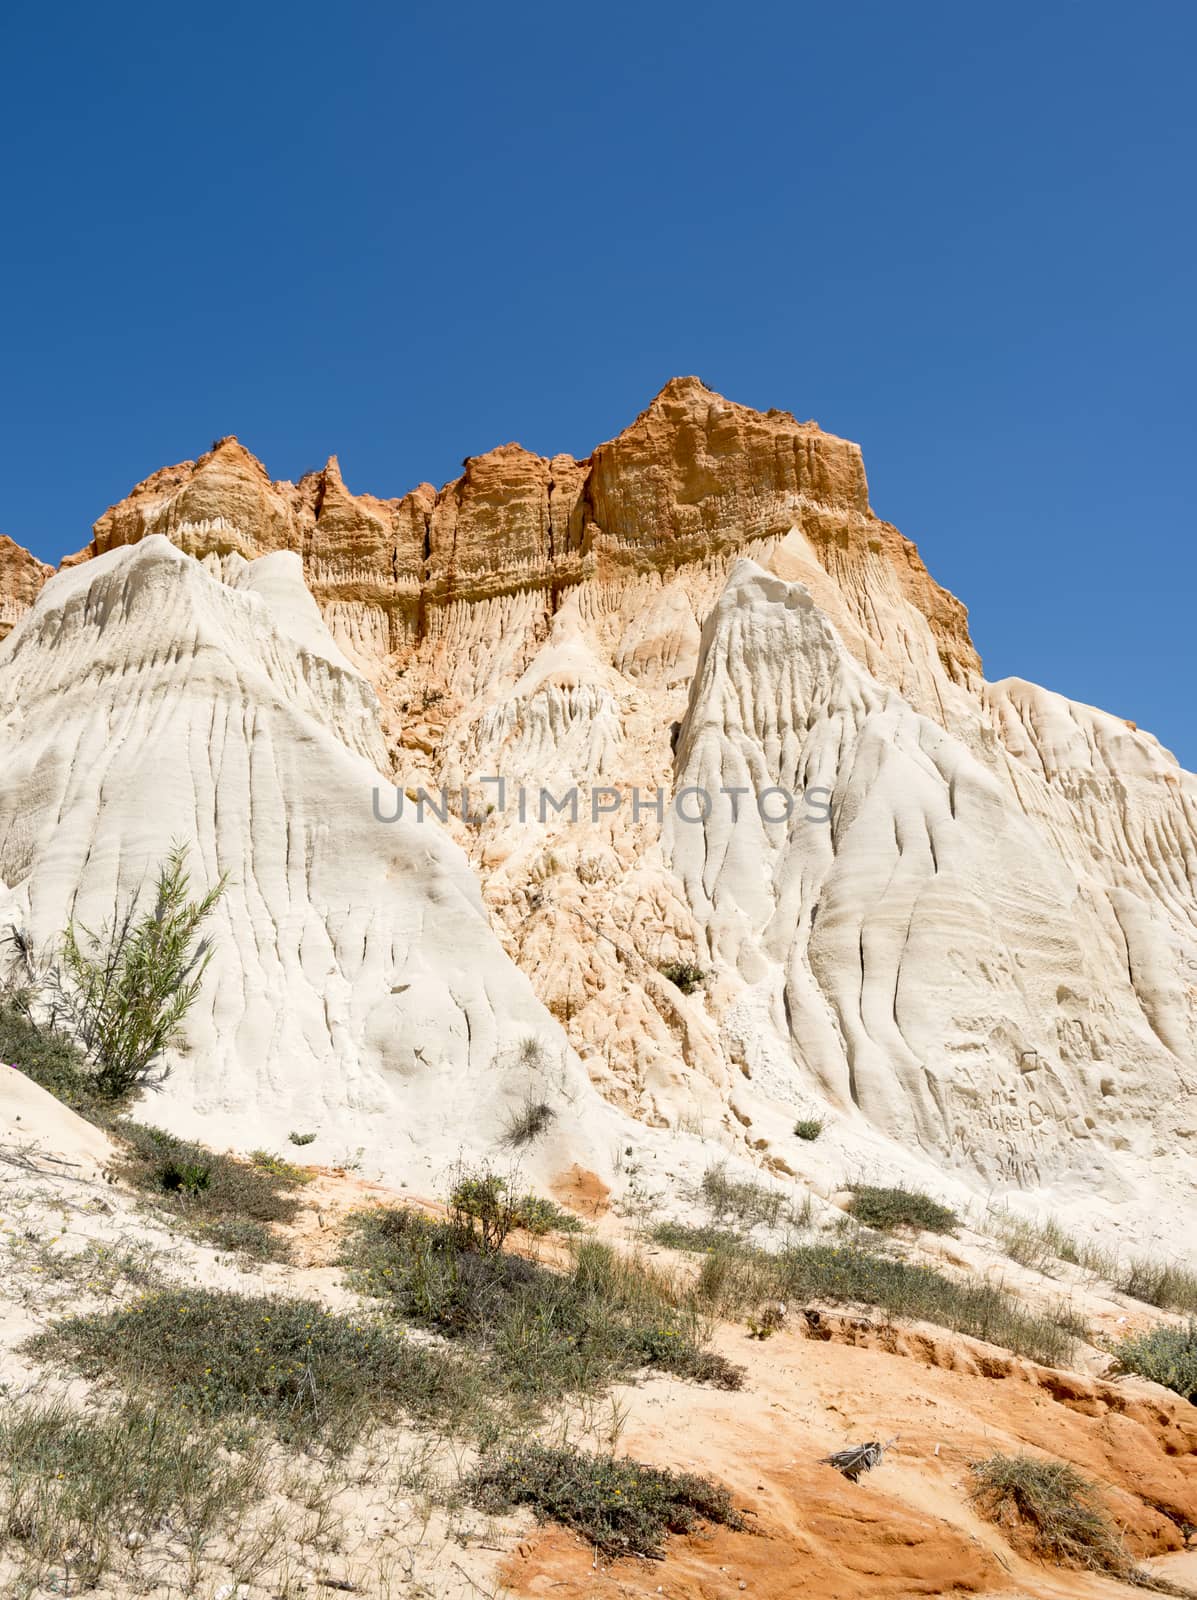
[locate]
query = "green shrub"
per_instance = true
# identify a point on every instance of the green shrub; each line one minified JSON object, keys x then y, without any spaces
{"x":218,"y":1198}
{"x":302,"y":1138}
{"x":122,"y":991}
{"x":51,"y":1059}
{"x":83,"y":1489}
{"x":683,"y":975}
{"x":280,"y":1168}
{"x":237,"y":1359}
{"x":900,"y":1208}
{"x":539,"y":1216}
{"x":621,"y":1506}
{"x":808,"y":1127}
{"x":1054,"y":1507}
{"x":128,"y":986}
{"x":1166,"y":1355}
{"x":541,"y":1333}
{"x":483,"y":1209}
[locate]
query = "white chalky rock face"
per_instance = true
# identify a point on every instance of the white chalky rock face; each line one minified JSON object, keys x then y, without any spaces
{"x":357,"y":990}
{"x":984,"y":960}
{"x":980,"y":972}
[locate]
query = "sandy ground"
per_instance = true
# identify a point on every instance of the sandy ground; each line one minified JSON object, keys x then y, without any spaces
{"x":827,"y":1379}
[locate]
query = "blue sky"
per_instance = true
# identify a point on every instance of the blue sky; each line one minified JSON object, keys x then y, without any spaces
{"x":962,"y":235}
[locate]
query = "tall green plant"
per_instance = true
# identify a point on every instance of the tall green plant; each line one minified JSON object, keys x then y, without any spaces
{"x":128,"y":986}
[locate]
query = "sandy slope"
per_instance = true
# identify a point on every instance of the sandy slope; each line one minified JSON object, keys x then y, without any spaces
{"x":827,"y":1379}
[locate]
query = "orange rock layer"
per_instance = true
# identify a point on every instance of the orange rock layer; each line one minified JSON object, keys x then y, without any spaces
{"x":693,"y":478}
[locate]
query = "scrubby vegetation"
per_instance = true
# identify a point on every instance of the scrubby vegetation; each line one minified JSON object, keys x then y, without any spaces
{"x":735,"y":1276}
{"x":484,"y":1208}
{"x":683,"y":975}
{"x":78,"y":1491}
{"x":220,"y":1199}
{"x":1160,"y":1283}
{"x":621,"y":1506}
{"x":746,"y":1202}
{"x":121,"y":992}
{"x":900,"y":1208}
{"x":91,"y":1019}
{"x":51,"y":1059}
{"x":540,"y":1333}
{"x":246,"y":1361}
{"x":1037,"y":1245}
{"x":808,"y":1128}
{"x":1166,"y":1355}
{"x":1055,"y":1510}
{"x":684,"y":1236}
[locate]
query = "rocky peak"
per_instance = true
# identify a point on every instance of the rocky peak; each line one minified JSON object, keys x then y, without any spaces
{"x":695,"y":478}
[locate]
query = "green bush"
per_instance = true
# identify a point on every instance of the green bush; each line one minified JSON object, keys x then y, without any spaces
{"x":541,"y":1333}
{"x":237,"y":1359}
{"x":279,"y":1167}
{"x":483,"y":1209}
{"x":808,"y":1127}
{"x":120,"y":992}
{"x":683,"y":975}
{"x":539,"y":1216}
{"x":220,"y":1199}
{"x":1166,"y":1355}
{"x":51,"y":1059}
{"x":620,"y":1506}
{"x":900,"y":1208}
{"x":1055,"y":1508}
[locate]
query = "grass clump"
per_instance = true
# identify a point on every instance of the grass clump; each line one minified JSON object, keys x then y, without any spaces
{"x":81,"y":1490}
{"x":900,"y":1208}
{"x":51,"y":1059}
{"x":528,"y":1123}
{"x":683,"y":975}
{"x":279,"y":1167}
{"x":219,"y":1199}
{"x":540,"y":1333}
{"x":732,"y":1279}
{"x":808,"y":1128}
{"x":1165,"y":1355}
{"x":1159,"y":1283}
{"x":539,"y":1216}
{"x":1037,"y":1245}
{"x":240,"y":1360}
{"x":621,"y":1506}
{"x":747,"y":1202}
{"x":1052,"y":1509}
{"x":684,"y":1236}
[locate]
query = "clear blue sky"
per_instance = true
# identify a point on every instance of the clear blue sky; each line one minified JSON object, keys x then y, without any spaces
{"x":963,"y":235}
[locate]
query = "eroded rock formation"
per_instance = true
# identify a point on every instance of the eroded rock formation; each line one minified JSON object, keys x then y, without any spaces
{"x":974,"y":954}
